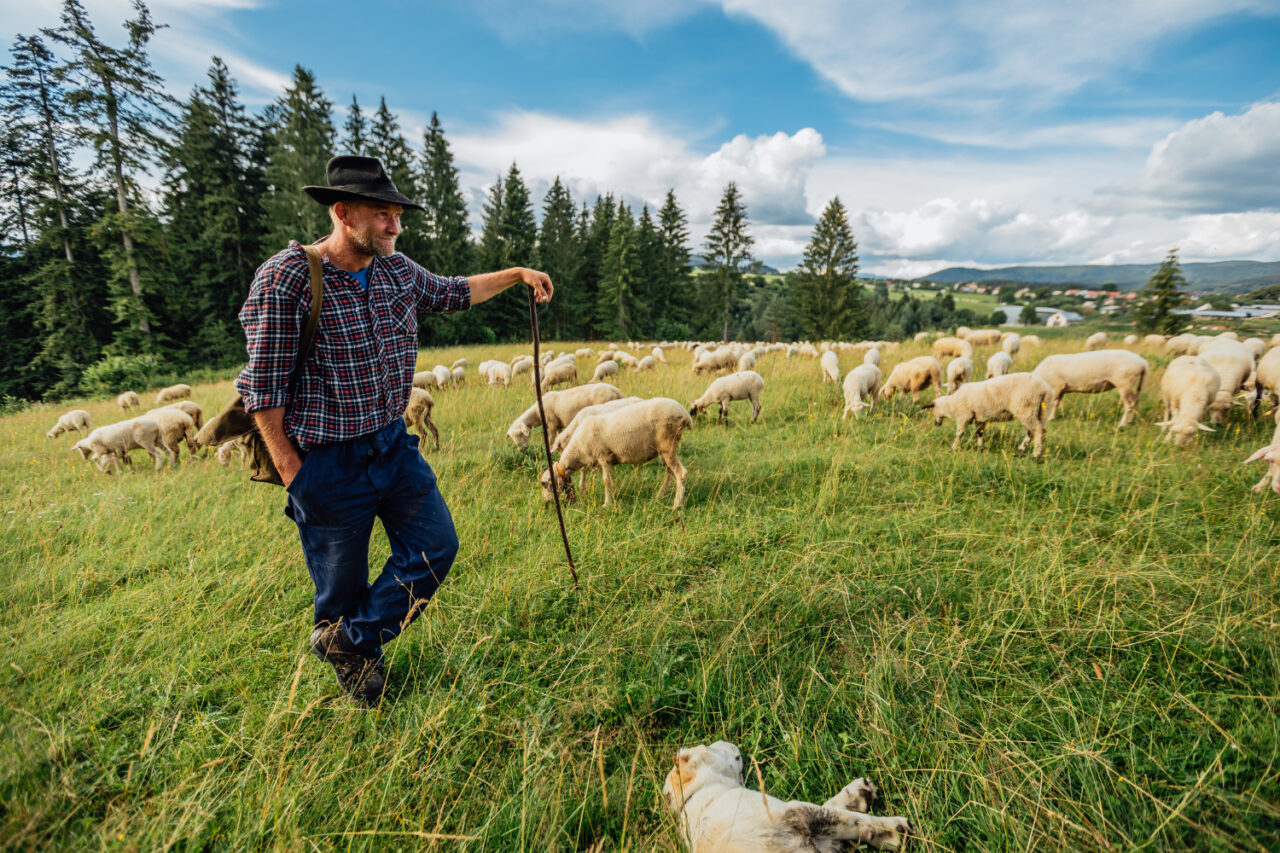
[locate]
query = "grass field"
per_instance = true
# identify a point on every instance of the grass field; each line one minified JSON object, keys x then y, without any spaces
{"x":1079,"y":654}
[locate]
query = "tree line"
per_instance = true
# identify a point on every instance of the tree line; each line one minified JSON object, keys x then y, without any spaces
{"x":134,"y":222}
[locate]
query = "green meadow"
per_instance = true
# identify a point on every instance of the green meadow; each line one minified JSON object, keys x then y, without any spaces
{"x":1077,"y":654}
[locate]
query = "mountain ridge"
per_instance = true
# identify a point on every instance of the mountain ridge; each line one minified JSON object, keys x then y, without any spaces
{"x":1219,"y":276}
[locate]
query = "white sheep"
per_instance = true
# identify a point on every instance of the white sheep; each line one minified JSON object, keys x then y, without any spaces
{"x":1272,"y":454}
{"x":983,"y":337}
{"x":1154,"y":341}
{"x":128,"y":400}
{"x":830,"y":365}
{"x":722,"y":359}
{"x":444,"y":376}
{"x":417,"y":414}
{"x":860,"y":387}
{"x":1268,"y":376}
{"x":176,"y":426}
{"x":1234,"y":363}
{"x":458,"y":375}
{"x":1130,"y":340}
{"x":173,"y":392}
{"x":584,"y":352}
{"x":1096,"y":341}
{"x":426,"y":379}
{"x":913,"y":376}
{"x":73,"y":421}
{"x":1258,"y":345}
{"x":659,"y":356}
{"x":112,"y":443}
{"x":872,"y":357}
{"x":521,"y":365}
{"x":1023,"y":397}
{"x":627,"y":360}
{"x":744,"y":385}
{"x":1031,"y":341}
{"x":1000,"y":364}
{"x":1093,"y":373}
{"x":1011,"y":344}
{"x":559,"y":373}
{"x":562,"y":440}
{"x":1187,"y":389}
{"x":747,"y":361}
{"x":228,"y":449}
{"x":959,"y":371}
{"x":192,"y":408}
{"x":604,"y":370}
{"x":952,"y":348}
{"x":647,"y":363}
{"x":560,"y":406}
{"x":500,"y":374}
{"x":462,"y":362}
{"x":627,"y":436}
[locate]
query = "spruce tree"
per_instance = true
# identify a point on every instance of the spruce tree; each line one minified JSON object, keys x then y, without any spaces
{"x":356,"y":130}
{"x":444,"y":218}
{"x":1162,"y":295}
{"x":726,"y":250}
{"x":594,"y":239}
{"x":559,"y":256}
{"x":492,"y":251}
{"x":672,"y":282}
{"x":616,"y":308}
{"x":649,"y":309}
{"x":301,"y":144}
{"x":122,"y":113}
{"x":828,"y":298}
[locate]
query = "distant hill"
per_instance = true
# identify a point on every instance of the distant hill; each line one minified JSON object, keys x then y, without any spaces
{"x":1222,"y":276}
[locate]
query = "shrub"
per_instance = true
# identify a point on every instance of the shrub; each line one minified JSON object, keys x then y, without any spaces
{"x":115,"y":373}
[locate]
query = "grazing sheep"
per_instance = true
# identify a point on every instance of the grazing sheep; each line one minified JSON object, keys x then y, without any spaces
{"x":1234,"y":363}
{"x":627,"y":360}
{"x":605,"y":355}
{"x":417,"y":414}
{"x":566,"y":434}
{"x":192,"y":408}
{"x":830,"y":364}
{"x":500,"y":373}
{"x":628,"y":436}
{"x":1011,"y":344}
{"x":1000,"y":364}
{"x":112,"y":443}
{"x":1183,"y":344}
{"x":921,"y":336}
{"x":745,"y":385}
{"x":128,"y":400}
{"x":458,"y":375}
{"x":1093,"y":373}
{"x":1130,"y":340}
{"x":462,"y":362}
{"x":1275,"y":340}
{"x":605,"y":369}
{"x":1154,"y":341}
{"x":952,"y":348}
{"x":1258,"y":345}
{"x":872,"y":357}
{"x":1023,"y":397}
{"x":722,"y":359}
{"x":1096,"y":341}
{"x":659,"y":356}
{"x":173,"y":392}
{"x":560,"y":406}
{"x":747,"y":361}
{"x":962,"y":331}
{"x":1272,"y":454}
{"x":983,"y":337}
{"x":559,"y":373}
{"x":1032,"y":341}
{"x":175,"y":427}
{"x":74,"y":420}
{"x":426,"y":379}
{"x":444,"y":376}
{"x":1187,"y":389}
{"x":584,"y":352}
{"x":647,"y":363}
{"x":959,"y":371}
{"x":860,"y":387}
{"x":1268,"y":376}
{"x":234,"y":447}
{"x":521,"y":365}
{"x":913,"y":376}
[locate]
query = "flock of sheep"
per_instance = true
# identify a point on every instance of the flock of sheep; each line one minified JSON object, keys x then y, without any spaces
{"x":594,"y":425}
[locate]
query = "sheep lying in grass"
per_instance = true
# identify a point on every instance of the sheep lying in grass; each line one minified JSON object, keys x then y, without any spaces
{"x":417,"y":414}
{"x":952,"y":348}
{"x":192,"y":408}
{"x":128,"y":400}
{"x":627,"y":436}
{"x":1187,"y":389}
{"x":1096,"y":341}
{"x":112,"y":443}
{"x":1272,"y":454}
{"x":560,"y":406}
{"x":912,"y":377}
{"x":1093,"y":373}
{"x":745,"y":385}
{"x":176,"y":426}
{"x":1000,"y":364}
{"x":604,"y":370}
{"x":830,"y":365}
{"x":566,"y":434}
{"x":173,"y":392}
{"x":860,"y":387}
{"x":73,"y":421}
{"x":959,"y":371}
{"x":1023,"y":397}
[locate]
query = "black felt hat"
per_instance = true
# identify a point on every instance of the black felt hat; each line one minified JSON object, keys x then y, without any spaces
{"x":354,"y":178}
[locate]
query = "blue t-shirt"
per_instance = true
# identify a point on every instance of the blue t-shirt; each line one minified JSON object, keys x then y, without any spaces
{"x":362,"y":277}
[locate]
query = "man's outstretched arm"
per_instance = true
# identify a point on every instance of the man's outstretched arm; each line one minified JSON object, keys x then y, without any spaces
{"x":487,"y":285}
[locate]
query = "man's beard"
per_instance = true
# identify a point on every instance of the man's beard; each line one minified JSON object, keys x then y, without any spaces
{"x":367,"y":244}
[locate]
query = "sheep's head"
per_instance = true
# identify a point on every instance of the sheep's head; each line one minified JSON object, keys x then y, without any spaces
{"x":941,"y":408}
{"x":519,"y":433}
{"x":563,"y":483}
{"x":82,"y":447}
{"x":1183,"y":431}
{"x":53,"y":433}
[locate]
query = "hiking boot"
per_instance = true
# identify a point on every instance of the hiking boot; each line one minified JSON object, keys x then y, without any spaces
{"x":361,"y":676}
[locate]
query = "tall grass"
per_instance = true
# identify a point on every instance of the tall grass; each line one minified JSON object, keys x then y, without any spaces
{"x":1078,"y":654}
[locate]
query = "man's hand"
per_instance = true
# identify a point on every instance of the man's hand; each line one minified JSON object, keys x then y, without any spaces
{"x":487,"y":285}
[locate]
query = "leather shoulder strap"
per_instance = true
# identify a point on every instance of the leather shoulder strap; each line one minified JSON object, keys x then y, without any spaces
{"x":308,"y":338}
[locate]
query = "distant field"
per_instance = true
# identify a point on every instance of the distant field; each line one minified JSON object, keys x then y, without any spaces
{"x":979,"y":303}
{"x":1078,"y":654}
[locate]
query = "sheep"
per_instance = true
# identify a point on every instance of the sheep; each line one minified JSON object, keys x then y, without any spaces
{"x":1182,"y":345}
{"x":921,"y":336}
{"x":584,"y":352}
{"x":462,"y":362}
{"x":627,"y":360}
{"x":747,"y":361}
{"x":192,"y":408}
{"x":521,"y":365}
{"x":860,"y":387}
{"x":744,"y":385}
{"x":1130,"y":340}
{"x":959,"y":371}
{"x":1096,"y":341}
{"x":1023,"y":397}
{"x":1093,"y":373}
{"x":830,"y":364}
{"x":962,"y":331}
{"x":1186,"y":390}
{"x":604,"y":355}
{"x":425,"y":379}
{"x":175,"y":426}
{"x":913,"y":376}
{"x":952,"y":348}
{"x":458,"y":375}
{"x":1011,"y":344}
{"x":659,"y":356}
{"x":722,"y":359}
{"x":74,"y":420}
{"x":417,"y":414}
{"x":173,"y":392}
{"x":605,"y":369}
{"x":1154,"y":341}
{"x":112,"y":443}
{"x":1234,"y":363}
{"x":560,"y":373}
{"x":128,"y":400}
{"x":1272,"y":454}
{"x":444,"y":376}
{"x":560,"y":407}
{"x":1031,"y":341}
{"x":630,"y":435}
{"x":566,"y":434}
{"x":647,"y":363}
{"x":1000,"y":364}
{"x":1268,"y":376}
{"x":226,"y":450}
{"x":1258,"y":345}
{"x":500,"y":373}
{"x":1275,"y":340}
{"x":983,"y":337}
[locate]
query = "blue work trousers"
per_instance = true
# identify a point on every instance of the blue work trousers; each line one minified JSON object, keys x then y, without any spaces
{"x":334,"y":498}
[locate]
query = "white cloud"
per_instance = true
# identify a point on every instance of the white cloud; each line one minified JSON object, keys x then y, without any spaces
{"x":517,"y":20}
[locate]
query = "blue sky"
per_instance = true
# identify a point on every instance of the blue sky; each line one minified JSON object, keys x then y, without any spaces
{"x":987,"y":132}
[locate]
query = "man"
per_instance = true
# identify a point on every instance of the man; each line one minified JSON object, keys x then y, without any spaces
{"x":340,"y":444}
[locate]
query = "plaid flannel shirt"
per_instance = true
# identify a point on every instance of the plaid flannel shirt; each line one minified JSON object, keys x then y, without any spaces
{"x":358,"y":375}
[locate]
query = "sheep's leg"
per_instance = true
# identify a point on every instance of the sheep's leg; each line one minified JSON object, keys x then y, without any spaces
{"x":606,"y":474}
{"x":1053,"y":405}
{"x":962,"y":423}
{"x":1130,"y":401}
{"x":724,"y":412}
{"x":156,"y":456}
{"x":666,"y":480}
{"x":682,"y":474}
{"x":1265,"y":483}
{"x":982,"y":434}
{"x":755,"y":408}
{"x":434,"y":432}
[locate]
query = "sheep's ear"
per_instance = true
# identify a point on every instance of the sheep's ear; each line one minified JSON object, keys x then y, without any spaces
{"x":1261,"y":453}
{"x":1205,"y":428}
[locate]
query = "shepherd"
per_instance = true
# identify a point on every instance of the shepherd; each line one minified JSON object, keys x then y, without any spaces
{"x":339,"y":441}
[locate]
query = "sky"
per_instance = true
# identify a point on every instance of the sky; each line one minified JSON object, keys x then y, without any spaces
{"x":972,"y":132}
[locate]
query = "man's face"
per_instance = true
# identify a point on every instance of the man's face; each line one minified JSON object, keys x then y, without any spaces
{"x":373,"y":227}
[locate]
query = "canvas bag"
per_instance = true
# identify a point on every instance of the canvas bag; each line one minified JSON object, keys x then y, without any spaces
{"x":234,"y":422}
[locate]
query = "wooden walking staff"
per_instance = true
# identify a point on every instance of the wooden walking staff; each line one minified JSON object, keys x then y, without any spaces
{"x":546,"y":441}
